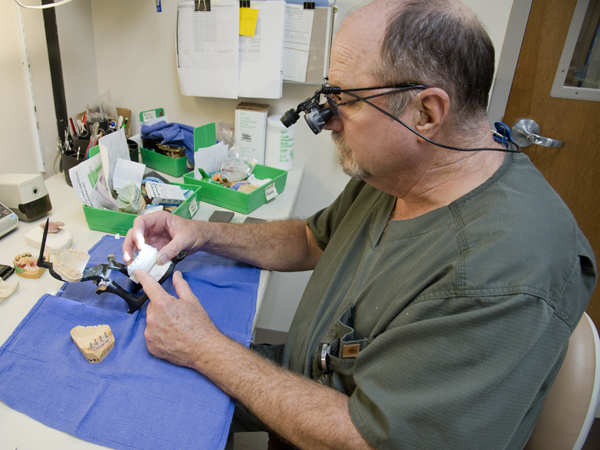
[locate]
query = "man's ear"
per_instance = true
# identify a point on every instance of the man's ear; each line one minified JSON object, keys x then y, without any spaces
{"x":433,"y":105}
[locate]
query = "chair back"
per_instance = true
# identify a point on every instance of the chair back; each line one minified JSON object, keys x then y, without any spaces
{"x":570,"y":406}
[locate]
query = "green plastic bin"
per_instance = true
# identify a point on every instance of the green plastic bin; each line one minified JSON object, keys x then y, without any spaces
{"x":117,"y":222}
{"x":240,"y":201}
{"x":172,"y":166}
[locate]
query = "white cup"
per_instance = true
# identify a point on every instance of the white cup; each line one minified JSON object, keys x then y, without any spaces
{"x":279,"y":151}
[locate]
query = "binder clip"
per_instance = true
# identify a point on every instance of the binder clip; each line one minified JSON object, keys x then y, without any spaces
{"x":201,"y":5}
{"x":244,"y":3}
{"x":309,"y":5}
{"x":502,"y":136}
{"x":100,"y":275}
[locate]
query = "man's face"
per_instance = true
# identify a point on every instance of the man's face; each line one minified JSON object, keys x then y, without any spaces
{"x":346,"y":158}
{"x":365,"y":138}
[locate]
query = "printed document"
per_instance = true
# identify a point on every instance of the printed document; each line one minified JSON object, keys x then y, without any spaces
{"x":208,"y":49}
{"x":84,"y":177}
{"x":261,"y":56}
{"x":298,"y":32}
{"x":112,"y":147}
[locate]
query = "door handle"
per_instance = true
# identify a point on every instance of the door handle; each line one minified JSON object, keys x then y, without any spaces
{"x":526,"y":132}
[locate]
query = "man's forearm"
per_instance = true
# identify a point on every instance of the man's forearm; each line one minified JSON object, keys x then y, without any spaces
{"x":305,"y":413}
{"x":279,"y":245}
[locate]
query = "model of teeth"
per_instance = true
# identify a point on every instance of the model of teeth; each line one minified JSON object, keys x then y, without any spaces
{"x":7,"y":288}
{"x":26,"y":266}
{"x":145,"y":259}
{"x":70,"y":264}
{"x":94,"y":342}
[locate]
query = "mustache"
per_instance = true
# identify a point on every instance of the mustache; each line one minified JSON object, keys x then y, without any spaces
{"x":339,"y":142}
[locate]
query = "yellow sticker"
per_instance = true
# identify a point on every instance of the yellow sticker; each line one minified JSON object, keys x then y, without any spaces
{"x":248,"y":18}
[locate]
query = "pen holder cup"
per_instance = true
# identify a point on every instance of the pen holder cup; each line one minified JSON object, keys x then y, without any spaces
{"x":80,"y":145}
{"x":134,"y":150}
{"x":68,"y":162}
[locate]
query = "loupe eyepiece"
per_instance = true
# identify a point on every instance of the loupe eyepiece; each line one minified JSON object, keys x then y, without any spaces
{"x":317,"y":118}
{"x":289,"y":118}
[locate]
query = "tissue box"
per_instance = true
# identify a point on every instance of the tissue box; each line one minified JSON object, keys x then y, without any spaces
{"x":240,"y":201}
{"x":251,"y":129}
{"x":117,"y":222}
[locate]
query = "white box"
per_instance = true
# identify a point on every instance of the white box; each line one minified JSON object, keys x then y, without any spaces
{"x":251,"y":130}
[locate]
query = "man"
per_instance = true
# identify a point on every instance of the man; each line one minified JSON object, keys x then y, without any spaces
{"x":446,"y":283}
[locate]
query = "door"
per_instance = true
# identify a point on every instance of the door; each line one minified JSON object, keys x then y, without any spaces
{"x":573,"y":170}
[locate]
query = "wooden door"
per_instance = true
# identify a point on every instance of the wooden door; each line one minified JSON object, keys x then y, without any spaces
{"x":573,"y":170}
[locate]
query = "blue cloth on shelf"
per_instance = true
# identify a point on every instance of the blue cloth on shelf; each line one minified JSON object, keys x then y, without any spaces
{"x":172,"y":133}
{"x":131,"y":400}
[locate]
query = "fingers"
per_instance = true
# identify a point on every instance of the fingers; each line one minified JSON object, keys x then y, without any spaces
{"x":182,"y":287}
{"x":169,"y":251}
{"x":136,"y":235}
{"x":151,"y":287}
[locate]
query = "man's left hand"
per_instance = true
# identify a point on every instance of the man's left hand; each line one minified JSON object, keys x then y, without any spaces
{"x":177,"y":329}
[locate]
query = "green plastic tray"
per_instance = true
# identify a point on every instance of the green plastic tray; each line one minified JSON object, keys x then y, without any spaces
{"x":171,"y":166}
{"x":240,"y":201}
{"x":117,"y":222}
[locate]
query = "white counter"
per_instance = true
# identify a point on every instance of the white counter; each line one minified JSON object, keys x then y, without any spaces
{"x":18,"y":430}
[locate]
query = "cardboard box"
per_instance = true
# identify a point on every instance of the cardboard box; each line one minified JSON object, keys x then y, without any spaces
{"x":251,"y":129}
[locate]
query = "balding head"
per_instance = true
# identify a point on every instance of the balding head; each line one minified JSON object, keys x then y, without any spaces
{"x":438,"y":43}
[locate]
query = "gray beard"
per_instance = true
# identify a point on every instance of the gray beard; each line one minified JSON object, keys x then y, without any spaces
{"x":346,"y":158}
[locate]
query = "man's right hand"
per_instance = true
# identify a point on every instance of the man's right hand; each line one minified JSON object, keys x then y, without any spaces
{"x":168,"y":233}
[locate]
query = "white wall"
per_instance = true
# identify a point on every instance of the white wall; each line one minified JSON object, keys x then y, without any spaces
{"x":19,"y":151}
{"x":78,"y":55}
{"x":19,"y":148}
{"x":129,"y":48}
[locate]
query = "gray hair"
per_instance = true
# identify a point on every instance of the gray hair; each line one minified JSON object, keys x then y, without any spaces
{"x":432,"y":42}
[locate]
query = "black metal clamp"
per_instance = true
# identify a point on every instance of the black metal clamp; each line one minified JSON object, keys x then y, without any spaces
{"x":100,"y":275}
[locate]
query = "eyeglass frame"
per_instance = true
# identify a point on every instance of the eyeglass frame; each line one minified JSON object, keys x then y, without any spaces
{"x":327,"y":90}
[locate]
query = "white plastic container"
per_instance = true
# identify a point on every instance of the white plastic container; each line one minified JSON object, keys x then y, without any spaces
{"x":279,"y":152}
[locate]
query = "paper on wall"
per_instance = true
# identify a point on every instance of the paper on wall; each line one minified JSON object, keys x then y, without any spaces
{"x":298,"y":32}
{"x":112,"y":147}
{"x":208,"y":49}
{"x":209,"y":158}
{"x":84,"y":177}
{"x":261,"y":56}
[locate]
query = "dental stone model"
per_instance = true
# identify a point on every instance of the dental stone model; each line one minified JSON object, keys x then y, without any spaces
{"x":57,"y":238}
{"x":7,"y":288}
{"x":94,"y":342}
{"x":145,"y":259}
{"x":26,"y":266}
{"x":70,"y":264}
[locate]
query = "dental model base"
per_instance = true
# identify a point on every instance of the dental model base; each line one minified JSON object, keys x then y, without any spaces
{"x":93,"y":342}
{"x":70,"y":265}
{"x":7,"y":288}
{"x":27,"y":267}
{"x":56,"y":240}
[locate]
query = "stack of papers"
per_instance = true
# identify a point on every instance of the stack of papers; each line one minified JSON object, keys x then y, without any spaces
{"x":215,"y":60}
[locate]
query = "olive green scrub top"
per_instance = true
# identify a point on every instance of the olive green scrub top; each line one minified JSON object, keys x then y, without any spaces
{"x":446,"y":330}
